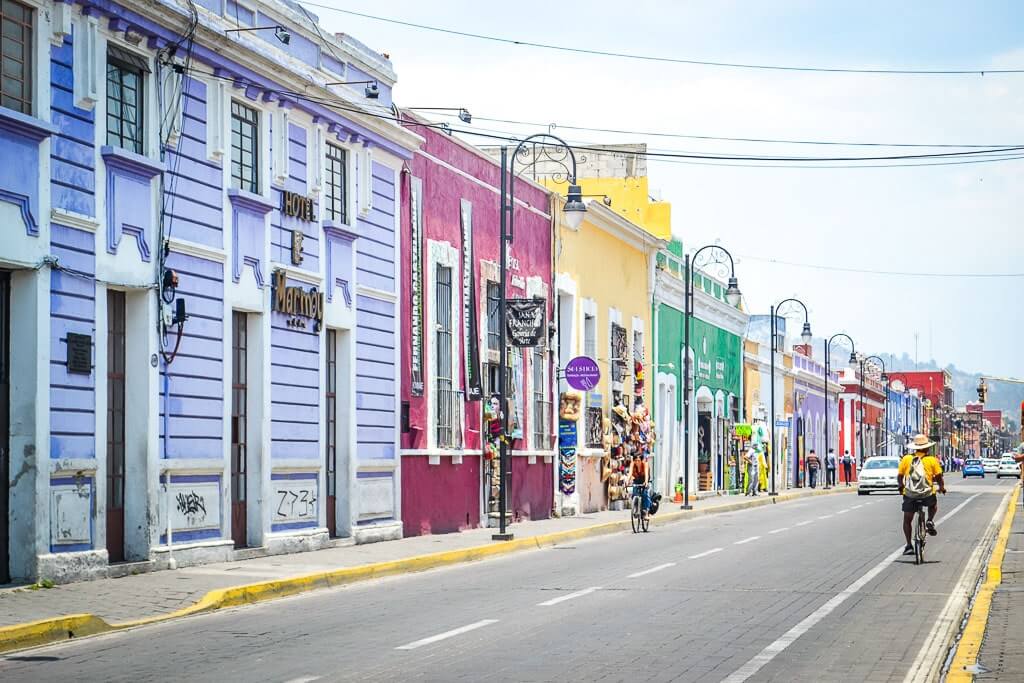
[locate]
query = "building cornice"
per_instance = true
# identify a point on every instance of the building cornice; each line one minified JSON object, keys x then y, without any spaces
{"x":613,"y":223}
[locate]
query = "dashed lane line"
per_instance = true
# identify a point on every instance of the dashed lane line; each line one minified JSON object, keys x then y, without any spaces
{"x":779,"y":531}
{"x":705,"y":553}
{"x":825,"y":516}
{"x":747,"y":540}
{"x":447,"y":634}
{"x":843,"y":512}
{"x":805,"y":522}
{"x":652,"y":570}
{"x":570,"y":596}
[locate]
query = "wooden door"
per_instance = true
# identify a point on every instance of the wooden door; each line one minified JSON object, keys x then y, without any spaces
{"x":115,"y":424}
{"x":239,"y":428}
{"x":331,"y":440}
{"x":5,"y":436}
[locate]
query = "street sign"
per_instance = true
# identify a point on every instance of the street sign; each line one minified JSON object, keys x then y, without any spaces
{"x":582,"y":373}
{"x":782,"y":423}
{"x":525,"y":321}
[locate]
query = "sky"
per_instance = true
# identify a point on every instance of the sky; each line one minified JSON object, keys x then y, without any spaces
{"x":964,"y":218}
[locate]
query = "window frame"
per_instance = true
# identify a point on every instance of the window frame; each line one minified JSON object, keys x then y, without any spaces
{"x":257,"y":148}
{"x":343,"y":186}
{"x":540,"y":399}
{"x":139,"y":70}
{"x":493,"y":315}
{"x":29,"y":98}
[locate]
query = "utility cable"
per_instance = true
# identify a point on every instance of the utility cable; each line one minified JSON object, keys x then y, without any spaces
{"x":671,"y":60}
{"x":867,"y":271}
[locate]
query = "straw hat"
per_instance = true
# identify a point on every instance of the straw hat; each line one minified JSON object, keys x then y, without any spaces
{"x":920,"y":443}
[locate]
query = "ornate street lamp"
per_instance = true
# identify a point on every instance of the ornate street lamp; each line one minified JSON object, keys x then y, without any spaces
{"x":828,"y":360}
{"x":806,"y":337}
{"x":574,"y":209}
{"x":716,"y":255}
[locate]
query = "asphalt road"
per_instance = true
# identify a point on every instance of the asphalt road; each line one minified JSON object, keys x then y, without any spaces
{"x":802,"y":591}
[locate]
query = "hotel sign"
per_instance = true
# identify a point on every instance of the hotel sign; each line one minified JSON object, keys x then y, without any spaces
{"x":299,"y":304}
{"x":295,"y":205}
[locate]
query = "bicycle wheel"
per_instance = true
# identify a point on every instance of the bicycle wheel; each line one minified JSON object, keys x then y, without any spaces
{"x":919,"y":540}
{"x":635,"y":514}
{"x":645,"y":522}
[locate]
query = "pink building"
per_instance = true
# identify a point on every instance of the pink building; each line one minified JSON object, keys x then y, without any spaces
{"x":450,"y":255}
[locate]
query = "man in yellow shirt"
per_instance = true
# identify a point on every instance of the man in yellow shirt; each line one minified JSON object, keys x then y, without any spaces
{"x":918,"y":493}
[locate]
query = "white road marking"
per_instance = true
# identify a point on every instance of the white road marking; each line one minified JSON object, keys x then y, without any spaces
{"x":843,"y":512}
{"x":447,"y":634}
{"x":570,"y":596}
{"x":805,"y":522}
{"x":303,"y":679}
{"x":779,"y":531}
{"x":747,"y":540}
{"x":857,"y":506}
{"x":705,"y":553}
{"x":789,"y":637}
{"x":932,"y":654}
{"x":825,"y":516}
{"x":652,"y":570}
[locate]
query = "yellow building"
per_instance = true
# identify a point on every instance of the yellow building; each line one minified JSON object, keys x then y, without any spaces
{"x":603,"y":282}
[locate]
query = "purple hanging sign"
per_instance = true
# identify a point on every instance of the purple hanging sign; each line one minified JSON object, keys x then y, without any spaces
{"x":582,"y":373}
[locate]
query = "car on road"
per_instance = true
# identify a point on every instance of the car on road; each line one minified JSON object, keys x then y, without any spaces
{"x":991,"y":465}
{"x":1008,"y":468}
{"x":878,"y":474}
{"x":973,"y":468}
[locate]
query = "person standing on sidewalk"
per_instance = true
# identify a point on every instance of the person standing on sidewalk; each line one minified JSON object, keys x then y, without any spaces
{"x":752,"y":474}
{"x":830,"y":468}
{"x":813,"y":465}
{"x":848,"y":467}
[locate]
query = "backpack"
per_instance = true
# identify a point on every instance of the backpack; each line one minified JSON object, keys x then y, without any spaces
{"x":916,"y":484}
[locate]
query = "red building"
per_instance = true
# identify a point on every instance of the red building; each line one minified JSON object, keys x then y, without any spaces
{"x":450,"y":271}
{"x":995,"y":418}
{"x":937,"y":387}
{"x":861,"y":417}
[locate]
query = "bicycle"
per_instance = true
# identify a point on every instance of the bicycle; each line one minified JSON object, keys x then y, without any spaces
{"x":920,"y":532}
{"x":636,"y":506}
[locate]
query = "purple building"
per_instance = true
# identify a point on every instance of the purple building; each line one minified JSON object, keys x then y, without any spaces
{"x":810,"y":418}
{"x":198,"y":302}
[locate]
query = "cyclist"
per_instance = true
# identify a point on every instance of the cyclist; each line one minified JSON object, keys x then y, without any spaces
{"x":640,"y":475}
{"x":918,"y":475}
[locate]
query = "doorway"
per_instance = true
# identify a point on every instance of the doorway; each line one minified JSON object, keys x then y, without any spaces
{"x":5,"y":434}
{"x":115,"y":424}
{"x":331,"y":440}
{"x":239,"y":427}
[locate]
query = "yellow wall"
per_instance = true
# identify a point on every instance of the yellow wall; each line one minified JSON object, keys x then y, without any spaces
{"x":614,"y":274}
{"x":630,"y":198}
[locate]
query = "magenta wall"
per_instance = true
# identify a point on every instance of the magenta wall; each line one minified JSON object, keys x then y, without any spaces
{"x":532,"y":493}
{"x":438,"y":499}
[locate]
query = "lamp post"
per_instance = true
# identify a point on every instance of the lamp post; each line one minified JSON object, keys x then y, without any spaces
{"x":732,"y":296}
{"x":885,"y":381}
{"x":828,"y":361}
{"x":574,"y":209}
{"x":806,"y":337}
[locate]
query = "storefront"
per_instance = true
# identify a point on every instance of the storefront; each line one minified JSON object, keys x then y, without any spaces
{"x":209,"y":373}
{"x":450,"y":355}
{"x":716,"y":342}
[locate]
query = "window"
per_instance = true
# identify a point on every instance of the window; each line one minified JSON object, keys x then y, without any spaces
{"x":245,"y":144}
{"x":449,"y":430}
{"x":590,"y":336}
{"x":337,"y":182}
{"x":541,"y":406}
{"x":493,"y":316}
{"x":125,"y":93}
{"x":16,"y":43}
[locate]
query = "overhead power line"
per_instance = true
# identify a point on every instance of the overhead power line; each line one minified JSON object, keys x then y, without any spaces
{"x":868,"y":271}
{"x":671,"y":60}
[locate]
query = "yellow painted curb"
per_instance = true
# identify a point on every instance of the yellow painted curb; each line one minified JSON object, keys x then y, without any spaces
{"x":969,"y":647}
{"x":46,"y":631}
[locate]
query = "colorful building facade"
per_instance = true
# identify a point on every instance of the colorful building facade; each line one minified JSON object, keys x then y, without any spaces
{"x":203,"y":291}
{"x":450,"y":354}
{"x":861,"y":414}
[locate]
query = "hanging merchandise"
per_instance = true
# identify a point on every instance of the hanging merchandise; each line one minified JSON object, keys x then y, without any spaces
{"x":620,"y":451}
{"x":567,"y":470}
{"x":492,"y":451}
{"x":638,"y":378}
{"x":569,"y":414}
{"x":515,"y":430}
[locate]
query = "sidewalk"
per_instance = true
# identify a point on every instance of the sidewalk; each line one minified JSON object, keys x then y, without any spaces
{"x":108,"y":604}
{"x":1000,"y":615}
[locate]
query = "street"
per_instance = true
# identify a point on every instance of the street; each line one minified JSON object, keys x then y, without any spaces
{"x":801,"y":591}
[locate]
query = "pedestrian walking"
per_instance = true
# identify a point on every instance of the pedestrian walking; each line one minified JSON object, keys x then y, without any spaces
{"x":830,"y":468}
{"x":813,"y":465}
{"x":847,"y":467}
{"x":752,"y":472}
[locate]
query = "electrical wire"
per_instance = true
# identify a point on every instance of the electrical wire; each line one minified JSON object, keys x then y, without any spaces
{"x":670,"y":60}
{"x":868,"y":271}
{"x":333,"y":104}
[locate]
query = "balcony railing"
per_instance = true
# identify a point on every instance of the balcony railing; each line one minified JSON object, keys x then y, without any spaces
{"x":449,"y":418}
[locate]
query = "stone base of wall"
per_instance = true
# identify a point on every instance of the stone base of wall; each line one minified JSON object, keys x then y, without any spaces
{"x":383,"y":531}
{"x":190,"y":555}
{"x":86,"y":565}
{"x":287,"y":543}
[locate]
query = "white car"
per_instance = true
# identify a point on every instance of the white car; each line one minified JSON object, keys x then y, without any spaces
{"x":991,"y":465}
{"x":878,"y":474}
{"x":1007,"y":468}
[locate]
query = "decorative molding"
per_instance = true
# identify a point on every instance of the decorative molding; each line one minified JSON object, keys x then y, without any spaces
{"x":25,"y":126}
{"x":61,"y":22}
{"x":294,"y":273}
{"x":197,"y":250}
{"x":254,"y":203}
{"x":141,"y":167}
{"x":72,"y":219}
{"x":85,"y":88}
{"x":23,"y":202}
{"x":376,"y":293}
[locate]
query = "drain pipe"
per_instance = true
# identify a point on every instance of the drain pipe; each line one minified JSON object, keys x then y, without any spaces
{"x":171,"y":563}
